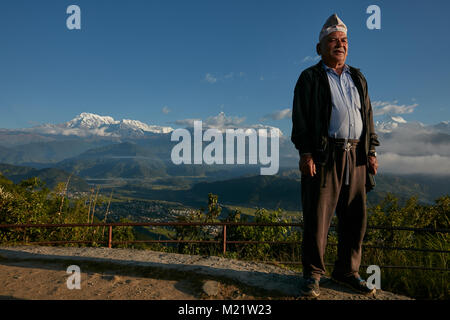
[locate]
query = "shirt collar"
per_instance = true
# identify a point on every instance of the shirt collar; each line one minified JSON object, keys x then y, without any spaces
{"x":328,"y":69}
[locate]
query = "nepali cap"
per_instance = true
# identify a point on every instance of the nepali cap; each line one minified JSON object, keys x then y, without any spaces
{"x":332,"y":24}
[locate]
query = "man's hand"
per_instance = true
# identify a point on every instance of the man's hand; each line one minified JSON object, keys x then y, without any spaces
{"x":373,"y":165}
{"x":307,"y":166}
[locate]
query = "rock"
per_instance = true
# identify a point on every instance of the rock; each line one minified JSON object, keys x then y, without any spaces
{"x":211,"y":288}
{"x":114,"y":278}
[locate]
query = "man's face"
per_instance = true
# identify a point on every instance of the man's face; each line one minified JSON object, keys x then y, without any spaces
{"x":334,"y":47}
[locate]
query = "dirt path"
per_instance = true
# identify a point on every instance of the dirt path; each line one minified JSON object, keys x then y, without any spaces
{"x":22,"y":280}
{"x":126,"y":274}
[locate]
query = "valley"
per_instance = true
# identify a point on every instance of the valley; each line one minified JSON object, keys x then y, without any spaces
{"x":132,"y":160}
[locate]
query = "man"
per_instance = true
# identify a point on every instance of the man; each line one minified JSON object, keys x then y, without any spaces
{"x":334,"y":132}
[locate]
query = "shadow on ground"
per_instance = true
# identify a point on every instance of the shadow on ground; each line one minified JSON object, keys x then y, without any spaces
{"x":189,"y":278}
{"x":258,"y":281}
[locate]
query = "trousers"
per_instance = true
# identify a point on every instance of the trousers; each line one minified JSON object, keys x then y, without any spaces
{"x":337,"y":187}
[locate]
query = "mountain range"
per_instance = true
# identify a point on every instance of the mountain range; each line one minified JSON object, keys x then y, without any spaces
{"x":90,"y":124}
{"x":94,"y":145}
{"x":101,"y":150}
{"x":99,"y":147}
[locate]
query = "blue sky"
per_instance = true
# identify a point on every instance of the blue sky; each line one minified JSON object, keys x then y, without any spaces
{"x":198,"y":58}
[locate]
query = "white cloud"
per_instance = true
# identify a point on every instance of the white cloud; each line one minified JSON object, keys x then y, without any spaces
{"x":415,"y":148}
{"x":186,"y":122}
{"x":231,"y":75}
{"x":222,"y":122}
{"x":433,"y":164}
{"x":278,"y":115}
{"x":210,"y":78}
{"x":310,"y":59}
{"x":266,"y":130}
{"x":399,"y":119}
{"x":385,"y":107}
{"x":415,"y":139}
{"x":165,"y":110}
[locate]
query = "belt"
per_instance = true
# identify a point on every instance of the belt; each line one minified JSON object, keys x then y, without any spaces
{"x":346,"y":145}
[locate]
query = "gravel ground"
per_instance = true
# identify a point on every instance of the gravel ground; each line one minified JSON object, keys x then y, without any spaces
{"x":31,"y":272}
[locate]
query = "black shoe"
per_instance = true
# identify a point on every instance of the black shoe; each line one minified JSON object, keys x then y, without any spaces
{"x":310,"y":287}
{"x":355,"y":283}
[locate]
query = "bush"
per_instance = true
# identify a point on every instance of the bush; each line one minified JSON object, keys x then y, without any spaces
{"x":412,"y":282}
{"x":424,"y":284}
{"x":30,"y":202}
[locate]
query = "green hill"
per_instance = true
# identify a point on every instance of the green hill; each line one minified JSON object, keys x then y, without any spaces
{"x":283,"y":191}
{"x":50,"y":176}
{"x":125,"y":160}
{"x":46,"y":152}
{"x":129,"y":160}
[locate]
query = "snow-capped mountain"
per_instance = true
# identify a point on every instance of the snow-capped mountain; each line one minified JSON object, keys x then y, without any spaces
{"x":90,"y":124}
{"x":391,"y":123}
{"x":222,"y":122}
{"x":398,"y":124}
{"x":138,"y":125}
{"x":90,"y":121}
{"x":443,"y":127}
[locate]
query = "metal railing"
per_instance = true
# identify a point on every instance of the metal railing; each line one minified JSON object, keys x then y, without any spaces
{"x":224,"y":240}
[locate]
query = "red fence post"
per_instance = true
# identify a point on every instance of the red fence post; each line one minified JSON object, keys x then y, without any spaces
{"x":224,"y":238}
{"x":110,"y":237}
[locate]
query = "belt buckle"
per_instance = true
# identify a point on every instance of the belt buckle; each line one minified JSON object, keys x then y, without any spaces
{"x":347,"y":146}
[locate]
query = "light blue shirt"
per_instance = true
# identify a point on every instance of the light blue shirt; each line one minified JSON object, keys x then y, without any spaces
{"x":346,"y":121}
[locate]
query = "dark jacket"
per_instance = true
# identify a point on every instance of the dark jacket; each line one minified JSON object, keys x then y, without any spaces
{"x":311,"y":115}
